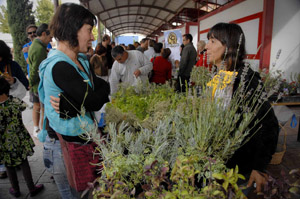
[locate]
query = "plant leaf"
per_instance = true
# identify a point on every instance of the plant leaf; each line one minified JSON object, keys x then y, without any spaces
{"x":218,"y":176}
{"x":148,"y":193}
{"x":293,"y":171}
{"x":294,"y":190}
{"x":297,"y":183}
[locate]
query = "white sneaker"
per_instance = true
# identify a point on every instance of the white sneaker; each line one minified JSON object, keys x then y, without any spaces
{"x":35,"y":131}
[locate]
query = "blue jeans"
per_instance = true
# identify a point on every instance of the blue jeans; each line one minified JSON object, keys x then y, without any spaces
{"x":2,"y":167}
{"x":54,"y":163}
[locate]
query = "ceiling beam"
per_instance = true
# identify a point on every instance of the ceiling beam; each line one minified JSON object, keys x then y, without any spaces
{"x":159,"y":12}
{"x":128,"y":22}
{"x":176,"y":12}
{"x":149,"y":9}
{"x":128,"y":3}
{"x":132,"y":31}
{"x":138,"y":11}
{"x":132,"y":27}
{"x":143,"y":15}
{"x":116,"y":5}
{"x":128,"y":31}
{"x":138,"y":5}
{"x":103,"y":9}
{"x":139,"y":28}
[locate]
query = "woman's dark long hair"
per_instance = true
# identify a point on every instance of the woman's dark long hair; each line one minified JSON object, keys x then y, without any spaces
{"x":232,"y":36}
{"x":5,"y":52}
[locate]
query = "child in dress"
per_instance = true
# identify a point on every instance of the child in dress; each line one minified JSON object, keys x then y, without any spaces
{"x":15,"y":141}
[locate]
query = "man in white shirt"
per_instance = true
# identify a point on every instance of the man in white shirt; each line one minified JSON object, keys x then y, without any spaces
{"x":150,"y":53}
{"x":129,"y":66}
{"x":144,"y":45}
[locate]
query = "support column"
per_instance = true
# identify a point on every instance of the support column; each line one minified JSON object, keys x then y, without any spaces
{"x":99,"y":29}
{"x":56,"y":4}
{"x":267,"y":29}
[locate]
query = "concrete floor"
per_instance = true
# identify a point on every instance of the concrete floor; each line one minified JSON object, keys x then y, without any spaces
{"x":291,"y":159}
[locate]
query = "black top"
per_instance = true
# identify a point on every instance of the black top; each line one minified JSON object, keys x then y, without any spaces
{"x":76,"y":93}
{"x":108,"y":55}
{"x":257,"y":152}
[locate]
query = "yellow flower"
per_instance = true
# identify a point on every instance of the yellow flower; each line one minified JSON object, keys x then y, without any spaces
{"x":221,"y":80}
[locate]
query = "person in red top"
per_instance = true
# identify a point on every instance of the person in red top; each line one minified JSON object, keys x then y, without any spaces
{"x":202,"y":56}
{"x":162,"y":68}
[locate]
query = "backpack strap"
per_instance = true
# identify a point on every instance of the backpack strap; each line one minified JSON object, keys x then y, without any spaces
{"x":153,"y":60}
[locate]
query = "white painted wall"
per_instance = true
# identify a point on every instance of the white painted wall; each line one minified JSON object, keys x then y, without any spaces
{"x":194,"y":32}
{"x":250,"y":29}
{"x":183,"y":29}
{"x":161,"y":39}
{"x":238,"y":11}
{"x":286,"y":36}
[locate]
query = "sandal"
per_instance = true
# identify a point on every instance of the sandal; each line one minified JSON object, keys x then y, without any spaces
{"x":14,"y":192}
{"x":36,"y":190}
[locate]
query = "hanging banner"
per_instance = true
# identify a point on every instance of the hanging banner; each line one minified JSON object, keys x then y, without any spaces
{"x":173,"y":40}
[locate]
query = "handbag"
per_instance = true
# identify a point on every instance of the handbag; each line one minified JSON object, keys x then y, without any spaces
{"x":80,"y":162}
{"x":17,"y":89}
{"x":151,"y":73}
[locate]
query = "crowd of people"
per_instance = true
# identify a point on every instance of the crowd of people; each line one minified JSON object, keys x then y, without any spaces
{"x":73,"y":78}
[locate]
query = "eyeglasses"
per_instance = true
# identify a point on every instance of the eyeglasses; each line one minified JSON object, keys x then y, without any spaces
{"x":47,"y":32}
{"x":33,"y":32}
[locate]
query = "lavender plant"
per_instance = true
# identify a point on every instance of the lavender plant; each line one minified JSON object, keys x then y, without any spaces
{"x":200,"y":76}
{"x":169,"y":126}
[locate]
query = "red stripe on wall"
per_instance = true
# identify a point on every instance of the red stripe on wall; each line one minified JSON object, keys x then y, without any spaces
{"x":204,"y":31}
{"x":248,"y":18}
{"x":251,"y":56}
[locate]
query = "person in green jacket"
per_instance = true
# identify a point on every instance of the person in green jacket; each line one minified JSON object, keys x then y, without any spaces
{"x":37,"y":53}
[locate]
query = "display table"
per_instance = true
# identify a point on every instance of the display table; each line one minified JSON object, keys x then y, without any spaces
{"x":289,"y":101}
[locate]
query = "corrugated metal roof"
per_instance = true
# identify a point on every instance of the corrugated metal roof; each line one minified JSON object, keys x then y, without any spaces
{"x":148,"y":17}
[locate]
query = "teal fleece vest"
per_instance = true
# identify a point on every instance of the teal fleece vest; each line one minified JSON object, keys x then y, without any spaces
{"x":71,"y":127}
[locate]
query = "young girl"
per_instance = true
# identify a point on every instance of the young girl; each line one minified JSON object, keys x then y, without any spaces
{"x":15,"y":141}
{"x":99,"y":66}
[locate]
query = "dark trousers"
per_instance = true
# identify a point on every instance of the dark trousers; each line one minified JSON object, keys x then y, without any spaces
{"x":13,"y":178}
{"x":182,"y":83}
